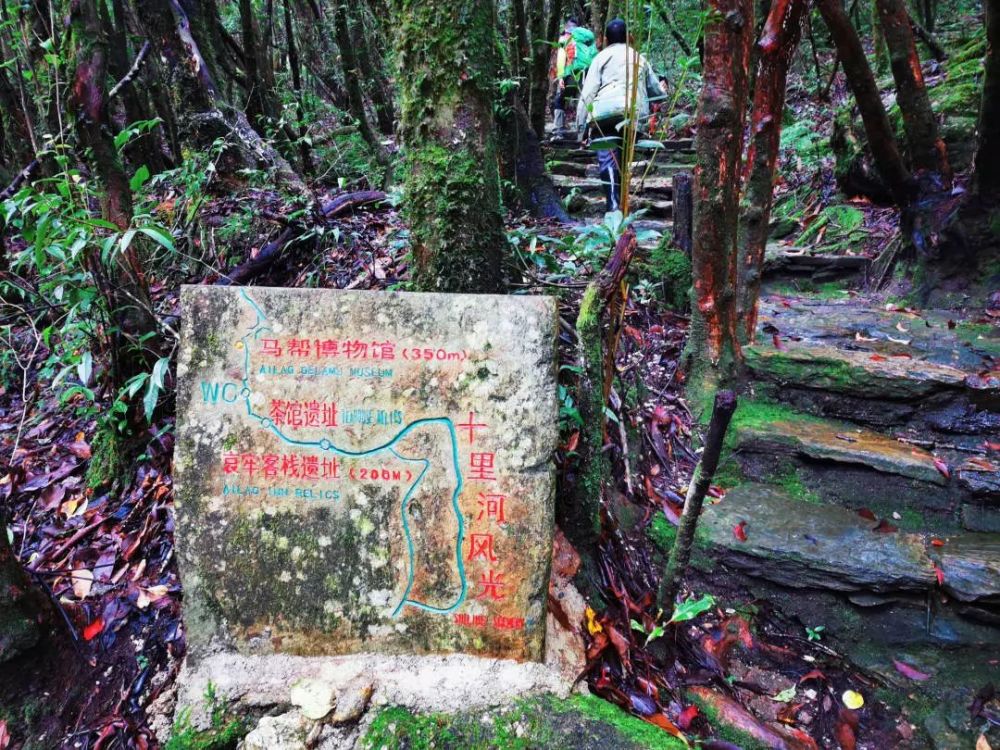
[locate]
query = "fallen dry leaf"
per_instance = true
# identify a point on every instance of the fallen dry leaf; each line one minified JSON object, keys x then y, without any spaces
{"x":83,"y":581}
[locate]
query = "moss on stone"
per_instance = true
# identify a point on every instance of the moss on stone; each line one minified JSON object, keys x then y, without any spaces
{"x":663,"y":534}
{"x":724,"y":731}
{"x":108,"y":459}
{"x":671,"y":268}
{"x":642,"y":733}
{"x":577,"y":723}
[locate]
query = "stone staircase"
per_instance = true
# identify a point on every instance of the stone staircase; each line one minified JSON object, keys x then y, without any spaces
{"x":574,"y":172}
{"x":861,"y":495}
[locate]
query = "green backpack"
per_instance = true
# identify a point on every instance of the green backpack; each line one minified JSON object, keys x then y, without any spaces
{"x":585,"y":50}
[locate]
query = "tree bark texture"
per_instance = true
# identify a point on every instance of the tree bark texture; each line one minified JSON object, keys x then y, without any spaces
{"x":714,"y":353}
{"x":926,"y":148}
{"x":448,"y":49}
{"x":777,"y":45}
{"x":986,"y":171}
{"x":881,"y":138}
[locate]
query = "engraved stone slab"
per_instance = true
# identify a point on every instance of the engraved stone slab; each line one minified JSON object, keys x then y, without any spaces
{"x":365,"y":471}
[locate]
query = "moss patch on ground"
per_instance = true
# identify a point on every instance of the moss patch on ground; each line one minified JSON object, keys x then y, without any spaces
{"x":578,"y":723}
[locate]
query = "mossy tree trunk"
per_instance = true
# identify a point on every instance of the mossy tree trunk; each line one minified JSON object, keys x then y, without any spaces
{"x":881,"y":139}
{"x":713,"y":355}
{"x":775,"y":50}
{"x":927,"y":151}
{"x":448,"y":48}
{"x":986,"y":174}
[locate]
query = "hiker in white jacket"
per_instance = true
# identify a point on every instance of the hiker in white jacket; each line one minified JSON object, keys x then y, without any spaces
{"x":606,"y":96}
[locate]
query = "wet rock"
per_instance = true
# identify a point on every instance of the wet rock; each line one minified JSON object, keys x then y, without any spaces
{"x":286,"y":732}
{"x":842,"y":443}
{"x":981,"y":482}
{"x":971,"y":567}
{"x":803,"y":545}
{"x":980,"y":518}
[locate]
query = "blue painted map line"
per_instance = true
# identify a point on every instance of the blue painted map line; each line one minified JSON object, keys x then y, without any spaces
{"x":326,"y":445}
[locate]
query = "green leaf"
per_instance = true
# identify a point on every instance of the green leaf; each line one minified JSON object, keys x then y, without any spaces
{"x":691,"y":608}
{"x":85,"y":367}
{"x":159,"y":235}
{"x":139,"y":178}
{"x":636,"y":625}
{"x":647,"y":145}
{"x":786,"y":696}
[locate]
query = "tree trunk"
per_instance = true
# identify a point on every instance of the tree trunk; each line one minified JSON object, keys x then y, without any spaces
{"x":352,"y":77}
{"x":523,"y":163}
{"x":296,"y":70}
{"x":144,"y":148}
{"x":713,"y":354}
{"x":262,"y":101}
{"x":16,"y":124}
{"x":540,"y":55}
{"x":927,"y":151}
{"x":777,"y":45}
{"x":598,"y":17}
{"x":447,"y":128}
{"x":881,"y":138}
{"x":986,"y":172}
{"x":371,"y":68}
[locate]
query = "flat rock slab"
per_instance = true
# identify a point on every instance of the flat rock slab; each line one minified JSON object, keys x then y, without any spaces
{"x":859,"y":372}
{"x":803,"y":545}
{"x":360,"y":471}
{"x":834,"y":441}
{"x":932,"y":335}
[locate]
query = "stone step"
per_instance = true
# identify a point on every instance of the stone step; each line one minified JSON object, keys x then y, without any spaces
{"x":662,"y":186}
{"x":838,"y":462}
{"x":639,"y":168}
{"x":879,"y":368}
{"x":584,"y":205}
{"x":801,"y":545}
{"x":792,"y":262}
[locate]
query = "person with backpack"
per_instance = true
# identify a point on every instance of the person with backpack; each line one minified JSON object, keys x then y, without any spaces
{"x":605,"y":99}
{"x":577,"y":49}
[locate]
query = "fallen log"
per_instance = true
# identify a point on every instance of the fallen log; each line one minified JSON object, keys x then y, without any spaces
{"x":275,"y":249}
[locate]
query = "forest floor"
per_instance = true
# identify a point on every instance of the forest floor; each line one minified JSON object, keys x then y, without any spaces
{"x":771,"y":660}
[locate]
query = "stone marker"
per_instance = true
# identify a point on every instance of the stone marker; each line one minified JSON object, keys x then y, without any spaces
{"x":365,"y":471}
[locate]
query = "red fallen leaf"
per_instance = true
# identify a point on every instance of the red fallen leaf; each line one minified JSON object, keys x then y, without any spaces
{"x":992,"y":446}
{"x":845,"y":737}
{"x":4,"y":735}
{"x":621,"y":644}
{"x":813,"y":675}
{"x":93,"y":630}
{"x":739,"y":531}
{"x":951,"y":325}
{"x":687,"y":716}
{"x":656,"y":329}
{"x":866,"y":513}
{"x":571,"y":444}
{"x":659,"y":719}
{"x":777,"y":341}
{"x":942,"y":467}
{"x":634,"y":333}
{"x":937,"y":542}
{"x":907,"y":671}
{"x":877,"y":358}
{"x":884,"y":527}
{"x":940,"y":575}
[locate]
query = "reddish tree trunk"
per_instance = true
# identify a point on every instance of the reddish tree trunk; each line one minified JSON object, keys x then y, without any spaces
{"x":777,"y":45}
{"x":714,"y":353}
{"x":927,"y":150}
{"x":881,"y":139}
{"x":986,"y":175}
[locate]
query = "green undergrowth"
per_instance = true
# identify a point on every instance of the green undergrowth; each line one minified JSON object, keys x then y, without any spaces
{"x":670,"y":269}
{"x":582,"y":721}
{"x":663,"y":534}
